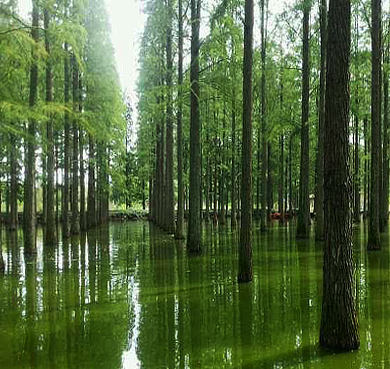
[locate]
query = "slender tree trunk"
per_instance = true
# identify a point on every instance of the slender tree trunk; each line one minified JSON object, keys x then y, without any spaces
{"x":263,"y":219}
{"x":270,"y":183}
{"x":180,"y":186}
{"x":170,"y":206}
{"x":339,"y":325}
{"x":373,"y":228}
{"x":66,"y":198}
{"x":222,"y":219}
{"x":356,"y":181}
{"x":91,"y":200}
{"x":281,"y":178}
{"x":245,"y":268}
{"x":83,"y":218}
{"x":233,"y":180}
{"x":366,"y":150}
{"x":194,"y":240}
{"x":29,"y":214}
{"x":304,"y":205}
{"x":385,"y":161}
{"x":75,"y":223}
{"x":319,"y":226}
{"x":13,"y":220}
{"x":50,"y":234}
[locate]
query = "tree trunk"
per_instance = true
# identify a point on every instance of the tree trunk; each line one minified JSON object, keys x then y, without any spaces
{"x":281,"y":179}
{"x":91,"y":200}
{"x":170,"y":206}
{"x":65,"y":197}
{"x":356,"y":179}
{"x":385,"y":161}
{"x":180,"y":186}
{"x":75,"y":223}
{"x":339,"y":325}
{"x":263,"y":219}
{"x":270,"y":183}
{"x":304,"y":205}
{"x":50,"y":234}
{"x":373,"y":228}
{"x":366,"y":169}
{"x":29,"y":182}
{"x":222,"y":219}
{"x":245,"y":268}
{"x":194,"y":240}
{"x":319,"y":226}
{"x":13,"y":219}
{"x":233,"y":180}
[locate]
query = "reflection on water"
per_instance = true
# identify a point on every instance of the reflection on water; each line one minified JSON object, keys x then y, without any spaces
{"x":129,"y":296}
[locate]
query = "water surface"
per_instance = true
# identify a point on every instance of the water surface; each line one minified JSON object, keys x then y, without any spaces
{"x":128,"y":296}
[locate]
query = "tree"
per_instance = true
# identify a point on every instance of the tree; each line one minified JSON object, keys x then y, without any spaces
{"x":194,"y":222}
{"x":304,"y":208}
{"x":50,"y":234}
{"x":373,"y":242}
{"x":245,"y":271}
{"x":29,"y":181}
{"x":180,"y":188}
{"x":339,"y":327}
{"x":319,"y":228}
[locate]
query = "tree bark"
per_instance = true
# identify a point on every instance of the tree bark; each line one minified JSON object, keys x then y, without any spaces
{"x":75,"y":222}
{"x":373,"y":227}
{"x":13,"y":220}
{"x":91,"y":200}
{"x":83,"y":218}
{"x":180,"y":187}
{"x":50,"y":234}
{"x":319,"y":226}
{"x":194,"y":240}
{"x":29,"y":214}
{"x":65,"y":197}
{"x":170,"y":206}
{"x":339,"y":326}
{"x":233,"y":180}
{"x":304,"y":204}
{"x":385,"y":161}
{"x":245,"y":269}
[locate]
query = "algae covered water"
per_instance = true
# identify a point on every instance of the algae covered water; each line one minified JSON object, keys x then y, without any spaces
{"x":129,"y":296}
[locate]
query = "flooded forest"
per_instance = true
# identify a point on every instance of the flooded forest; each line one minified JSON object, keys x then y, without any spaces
{"x":229,"y":211}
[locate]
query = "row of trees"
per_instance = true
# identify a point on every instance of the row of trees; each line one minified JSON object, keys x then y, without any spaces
{"x":302,"y":92}
{"x":62,"y":116}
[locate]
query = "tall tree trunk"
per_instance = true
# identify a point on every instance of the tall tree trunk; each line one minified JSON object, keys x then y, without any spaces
{"x":339,"y":325}
{"x":281,"y":178}
{"x":373,"y":228}
{"x":83,"y":218}
{"x":194,"y":240}
{"x":50,"y":234}
{"x":270,"y":182}
{"x":91,"y":200}
{"x":245,"y":268}
{"x":180,"y":186}
{"x":66,"y":197}
{"x":233,"y":180}
{"x":222,"y":219}
{"x":319,"y":226}
{"x":366,"y":169}
{"x":29,"y":181}
{"x":263,"y":219}
{"x":385,"y":161}
{"x":75,"y":223}
{"x":170,"y":206}
{"x":304,"y":205}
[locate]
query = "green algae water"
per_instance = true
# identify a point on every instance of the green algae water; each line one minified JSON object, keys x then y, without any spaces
{"x":129,"y":296}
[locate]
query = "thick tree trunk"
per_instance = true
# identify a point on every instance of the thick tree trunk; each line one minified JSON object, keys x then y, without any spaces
{"x":245,"y":268}
{"x":75,"y":222}
{"x":319,"y":226}
{"x":180,"y":187}
{"x":339,"y":325}
{"x":194,"y":240}
{"x":304,"y":205}
{"x":29,"y":181}
{"x":373,"y":228}
{"x":91,"y":200}
{"x":50,"y":234}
